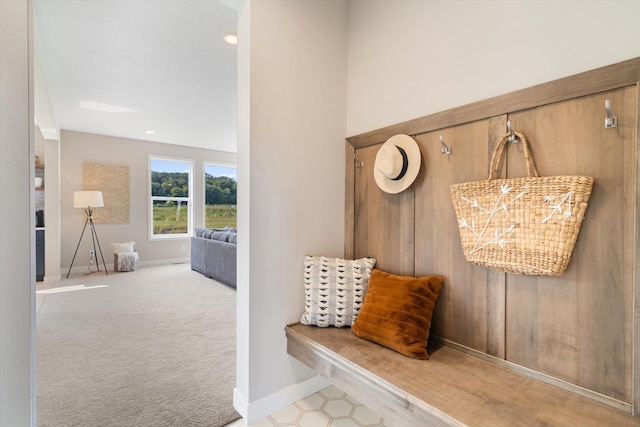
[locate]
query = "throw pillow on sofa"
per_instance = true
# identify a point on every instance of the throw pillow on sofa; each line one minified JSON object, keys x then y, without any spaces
{"x":214,"y":233}
{"x":334,"y":289}
{"x":222,"y":236}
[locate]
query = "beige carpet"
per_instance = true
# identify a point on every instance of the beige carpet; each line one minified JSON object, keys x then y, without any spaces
{"x":153,"y":347}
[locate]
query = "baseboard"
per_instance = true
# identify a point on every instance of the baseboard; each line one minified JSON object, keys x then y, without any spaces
{"x":240,"y":403}
{"x":253,"y":411}
{"x":52,"y":279}
{"x":165,"y":262}
{"x":83,"y":269}
{"x":151,"y":263}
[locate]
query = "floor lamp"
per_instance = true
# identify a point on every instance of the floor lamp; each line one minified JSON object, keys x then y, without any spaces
{"x":88,"y":200}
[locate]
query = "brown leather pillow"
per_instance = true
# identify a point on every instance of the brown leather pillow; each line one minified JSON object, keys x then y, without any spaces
{"x":397,"y":311}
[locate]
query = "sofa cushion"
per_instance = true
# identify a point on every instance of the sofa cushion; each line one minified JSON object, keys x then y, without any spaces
{"x":212,"y":257}
{"x":222,"y":236}
{"x":198,"y":231}
{"x":213,"y":233}
{"x":221,"y":261}
{"x":199,"y":254}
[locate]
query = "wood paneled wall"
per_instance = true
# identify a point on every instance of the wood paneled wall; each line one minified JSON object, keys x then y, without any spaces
{"x":576,"y":330}
{"x":578,"y":327}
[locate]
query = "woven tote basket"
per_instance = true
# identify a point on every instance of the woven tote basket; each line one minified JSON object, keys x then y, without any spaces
{"x":521,"y":225}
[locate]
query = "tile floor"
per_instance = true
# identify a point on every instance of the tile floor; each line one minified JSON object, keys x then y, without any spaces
{"x":330,"y":407}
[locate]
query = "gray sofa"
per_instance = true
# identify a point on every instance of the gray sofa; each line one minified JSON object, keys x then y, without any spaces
{"x":213,"y":253}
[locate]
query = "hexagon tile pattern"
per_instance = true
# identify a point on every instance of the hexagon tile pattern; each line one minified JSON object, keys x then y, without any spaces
{"x":330,"y":407}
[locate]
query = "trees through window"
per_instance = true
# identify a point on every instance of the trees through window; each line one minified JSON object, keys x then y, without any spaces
{"x":171,"y":203}
{"x":221,"y":200}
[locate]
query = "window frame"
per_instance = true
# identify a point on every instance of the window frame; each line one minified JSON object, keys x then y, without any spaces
{"x":206,"y":163}
{"x":190,"y":200}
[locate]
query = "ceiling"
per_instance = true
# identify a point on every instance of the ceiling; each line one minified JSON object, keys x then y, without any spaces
{"x":122,"y":67}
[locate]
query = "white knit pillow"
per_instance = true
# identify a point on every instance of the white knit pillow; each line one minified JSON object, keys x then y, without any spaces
{"x":125,"y":247}
{"x":334,"y":289}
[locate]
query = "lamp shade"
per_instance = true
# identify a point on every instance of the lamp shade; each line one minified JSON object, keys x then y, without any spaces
{"x":84,"y":199}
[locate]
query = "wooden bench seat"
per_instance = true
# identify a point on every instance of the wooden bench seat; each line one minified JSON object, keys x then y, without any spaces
{"x":450,"y":389}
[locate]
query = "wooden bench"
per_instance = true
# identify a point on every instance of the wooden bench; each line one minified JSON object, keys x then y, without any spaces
{"x":452,"y":388}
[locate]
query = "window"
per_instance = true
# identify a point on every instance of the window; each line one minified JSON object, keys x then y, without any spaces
{"x":170,"y":202}
{"x":220,"y":196}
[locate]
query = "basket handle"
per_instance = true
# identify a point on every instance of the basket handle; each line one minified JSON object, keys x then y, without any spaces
{"x":494,"y":166}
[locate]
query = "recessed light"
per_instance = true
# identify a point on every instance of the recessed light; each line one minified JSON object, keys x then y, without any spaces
{"x":231,"y":39}
{"x":149,"y":132}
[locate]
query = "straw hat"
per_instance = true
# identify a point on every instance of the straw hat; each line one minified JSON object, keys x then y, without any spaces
{"x":397,"y":164}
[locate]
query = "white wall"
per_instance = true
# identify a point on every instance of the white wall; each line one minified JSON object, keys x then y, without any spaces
{"x":411,"y":58}
{"x":406,"y":59}
{"x":44,"y":116}
{"x":48,"y":132}
{"x":17,"y":228}
{"x":292,"y":110}
{"x":52,"y":234}
{"x":78,"y":148}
